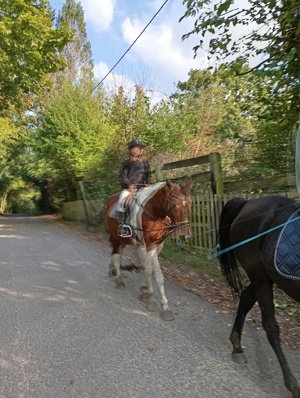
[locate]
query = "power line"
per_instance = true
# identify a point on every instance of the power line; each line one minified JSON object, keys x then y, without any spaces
{"x":131,"y":45}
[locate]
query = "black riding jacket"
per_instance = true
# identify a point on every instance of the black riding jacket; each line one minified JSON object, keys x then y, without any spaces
{"x":135,"y":173}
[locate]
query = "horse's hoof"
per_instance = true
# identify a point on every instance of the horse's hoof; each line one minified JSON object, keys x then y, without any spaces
{"x":152,"y":306}
{"x":167,"y":315}
{"x":112,"y":273}
{"x":120,"y":286}
{"x":239,"y":357}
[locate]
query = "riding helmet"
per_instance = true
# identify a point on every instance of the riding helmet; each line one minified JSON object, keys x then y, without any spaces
{"x":135,"y":142}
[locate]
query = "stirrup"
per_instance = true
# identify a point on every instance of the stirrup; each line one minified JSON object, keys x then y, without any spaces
{"x":125,"y":231}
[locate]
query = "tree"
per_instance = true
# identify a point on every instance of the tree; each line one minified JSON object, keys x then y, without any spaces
{"x":29,"y":50}
{"x":70,"y":140}
{"x":241,"y":118}
{"x":77,"y":53}
{"x":211,"y":107}
{"x":275,"y":38}
{"x":18,"y":191}
{"x":8,"y":133}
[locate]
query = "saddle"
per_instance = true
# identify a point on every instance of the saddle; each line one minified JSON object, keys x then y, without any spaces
{"x":127,"y":204}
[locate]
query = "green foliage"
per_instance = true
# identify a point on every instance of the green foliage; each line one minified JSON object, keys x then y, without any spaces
{"x":187,"y":260}
{"x":71,"y":139}
{"x":29,"y":50}
{"x":17,"y":192}
{"x":8,"y":133}
{"x":242,"y":118}
{"x":267,"y":29}
{"x":22,"y":197}
{"x":130,"y":113}
{"x":211,"y":108}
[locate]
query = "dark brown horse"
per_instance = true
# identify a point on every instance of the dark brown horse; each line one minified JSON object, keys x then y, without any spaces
{"x":154,"y":213}
{"x":264,"y":236}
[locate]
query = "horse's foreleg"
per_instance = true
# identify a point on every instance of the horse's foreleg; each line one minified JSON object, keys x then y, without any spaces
{"x":247,"y":301}
{"x":159,"y":248}
{"x":265,"y":300}
{"x":146,"y":288}
{"x":167,"y":314}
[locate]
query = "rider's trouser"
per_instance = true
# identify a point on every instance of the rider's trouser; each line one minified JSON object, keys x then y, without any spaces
{"x":123,"y":194}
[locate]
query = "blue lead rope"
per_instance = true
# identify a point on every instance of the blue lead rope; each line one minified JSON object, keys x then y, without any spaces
{"x":215,"y":253}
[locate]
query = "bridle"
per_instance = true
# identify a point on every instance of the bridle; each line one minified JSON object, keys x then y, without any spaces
{"x":170,"y":202}
{"x":173,"y":227}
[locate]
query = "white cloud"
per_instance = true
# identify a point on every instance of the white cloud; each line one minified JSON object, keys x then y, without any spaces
{"x":160,"y":47}
{"x":100,"y":70}
{"x":159,"y":58}
{"x":113,"y":80}
{"x":99,"y":13}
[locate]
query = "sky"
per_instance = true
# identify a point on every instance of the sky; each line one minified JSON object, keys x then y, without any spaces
{"x":158,"y":60}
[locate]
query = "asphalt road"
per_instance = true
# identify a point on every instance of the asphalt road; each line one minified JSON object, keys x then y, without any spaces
{"x":66,"y":331}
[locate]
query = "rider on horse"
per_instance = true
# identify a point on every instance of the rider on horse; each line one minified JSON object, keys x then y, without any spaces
{"x":134,"y":174}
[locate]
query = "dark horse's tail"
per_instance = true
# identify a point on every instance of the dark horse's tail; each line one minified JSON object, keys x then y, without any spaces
{"x":228,"y":262}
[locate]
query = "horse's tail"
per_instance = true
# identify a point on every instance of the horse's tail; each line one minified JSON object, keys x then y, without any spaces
{"x":228,"y":262}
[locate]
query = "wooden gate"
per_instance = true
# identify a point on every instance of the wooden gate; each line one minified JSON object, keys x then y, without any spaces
{"x":205,"y":214}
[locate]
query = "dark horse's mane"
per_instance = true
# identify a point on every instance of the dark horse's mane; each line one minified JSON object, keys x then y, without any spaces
{"x":229,"y":265}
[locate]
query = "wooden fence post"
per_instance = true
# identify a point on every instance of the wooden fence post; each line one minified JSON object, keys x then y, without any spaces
{"x":84,"y":202}
{"x":159,"y":174}
{"x":216,"y":173}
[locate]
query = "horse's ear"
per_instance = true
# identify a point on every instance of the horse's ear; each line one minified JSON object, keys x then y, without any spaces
{"x":168,"y":184}
{"x":190,"y":183}
{"x":186,"y":187}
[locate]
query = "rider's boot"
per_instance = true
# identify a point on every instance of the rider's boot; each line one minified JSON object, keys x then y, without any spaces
{"x":124,"y":229}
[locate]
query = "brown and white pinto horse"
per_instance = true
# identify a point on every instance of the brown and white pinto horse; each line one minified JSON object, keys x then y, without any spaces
{"x":155,"y":212}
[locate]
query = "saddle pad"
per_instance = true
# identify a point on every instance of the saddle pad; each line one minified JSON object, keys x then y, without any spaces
{"x":287,"y":252}
{"x":137,"y":208}
{"x":134,"y":218}
{"x":126,"y":203}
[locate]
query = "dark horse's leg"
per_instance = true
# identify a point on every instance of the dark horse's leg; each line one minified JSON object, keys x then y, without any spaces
{"x":265,"y":300}
{"x":247,"y":301}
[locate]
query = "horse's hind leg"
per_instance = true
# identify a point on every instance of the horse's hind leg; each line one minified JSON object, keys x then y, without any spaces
{"x":247,"y":301}
{"x":265,"y":300}
{"x":115,"y":263}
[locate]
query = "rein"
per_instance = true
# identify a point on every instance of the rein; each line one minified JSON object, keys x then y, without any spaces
{"x":215,"y":253}
{"x":175,"y":196}
{"x":172,"y":227}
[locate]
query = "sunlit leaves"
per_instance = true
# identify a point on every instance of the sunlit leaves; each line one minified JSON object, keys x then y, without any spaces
{"x":269,"y":29}
{"x":29,"y":49}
